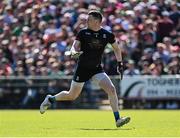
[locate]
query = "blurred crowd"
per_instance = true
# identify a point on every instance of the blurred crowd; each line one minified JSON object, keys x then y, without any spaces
{"x":34,"y":35}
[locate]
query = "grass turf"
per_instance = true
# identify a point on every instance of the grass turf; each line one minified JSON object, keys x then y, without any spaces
{"x":88,"y":123}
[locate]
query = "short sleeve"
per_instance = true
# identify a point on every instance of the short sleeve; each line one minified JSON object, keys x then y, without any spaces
{"x":111,"y":38}
{"x":79,"y":36}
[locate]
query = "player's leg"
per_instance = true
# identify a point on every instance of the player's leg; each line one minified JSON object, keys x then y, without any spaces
{"x":106,"y":84}
{"x":72,"y":94}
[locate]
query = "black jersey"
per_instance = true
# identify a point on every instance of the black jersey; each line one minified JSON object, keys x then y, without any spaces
{"x":93,"y":44}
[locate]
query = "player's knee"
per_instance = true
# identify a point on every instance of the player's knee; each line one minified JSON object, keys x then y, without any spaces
{"x":72,"y":96}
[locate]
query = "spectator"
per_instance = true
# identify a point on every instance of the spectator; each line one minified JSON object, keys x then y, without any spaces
{"x":35,"y":37}
{"x":165,"y":26}
{"x":175,"y":14}
{"x":131,"y":70}
{"x":161,"y":53}
{"x":145,"y":68}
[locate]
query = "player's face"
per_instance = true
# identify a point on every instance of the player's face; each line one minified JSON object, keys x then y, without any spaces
{"x":91,"y":22}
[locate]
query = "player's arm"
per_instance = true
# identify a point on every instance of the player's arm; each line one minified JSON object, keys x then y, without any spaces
{"x":117,"y":51}
{"x":75,"y":49}
{"x":118,"y":54}
{"x":75,"y":46}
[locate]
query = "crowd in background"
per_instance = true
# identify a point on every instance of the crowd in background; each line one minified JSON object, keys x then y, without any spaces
{"x":34,"y":35}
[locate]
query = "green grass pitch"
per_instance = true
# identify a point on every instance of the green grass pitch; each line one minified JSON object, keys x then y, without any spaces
{"x":88,"y":123}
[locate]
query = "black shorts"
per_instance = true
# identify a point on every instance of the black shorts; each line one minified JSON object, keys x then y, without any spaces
{"x":83,"y":74}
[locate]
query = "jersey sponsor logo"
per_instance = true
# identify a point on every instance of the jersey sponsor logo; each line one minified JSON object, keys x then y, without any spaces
{"x":96,"y":43}
{"x":96,"y":34}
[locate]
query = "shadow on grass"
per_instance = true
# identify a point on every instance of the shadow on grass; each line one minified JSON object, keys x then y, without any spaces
{"x":107,"y":129}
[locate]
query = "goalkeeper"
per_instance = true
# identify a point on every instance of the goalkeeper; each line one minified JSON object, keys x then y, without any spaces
{"x":89,"y":46}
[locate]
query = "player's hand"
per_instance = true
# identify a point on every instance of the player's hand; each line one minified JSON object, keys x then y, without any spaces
{"x":120,"y":69}
{"x":73,"y":54}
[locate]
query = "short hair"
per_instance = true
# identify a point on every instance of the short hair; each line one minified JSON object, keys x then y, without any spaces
{"x":96,"y":14}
